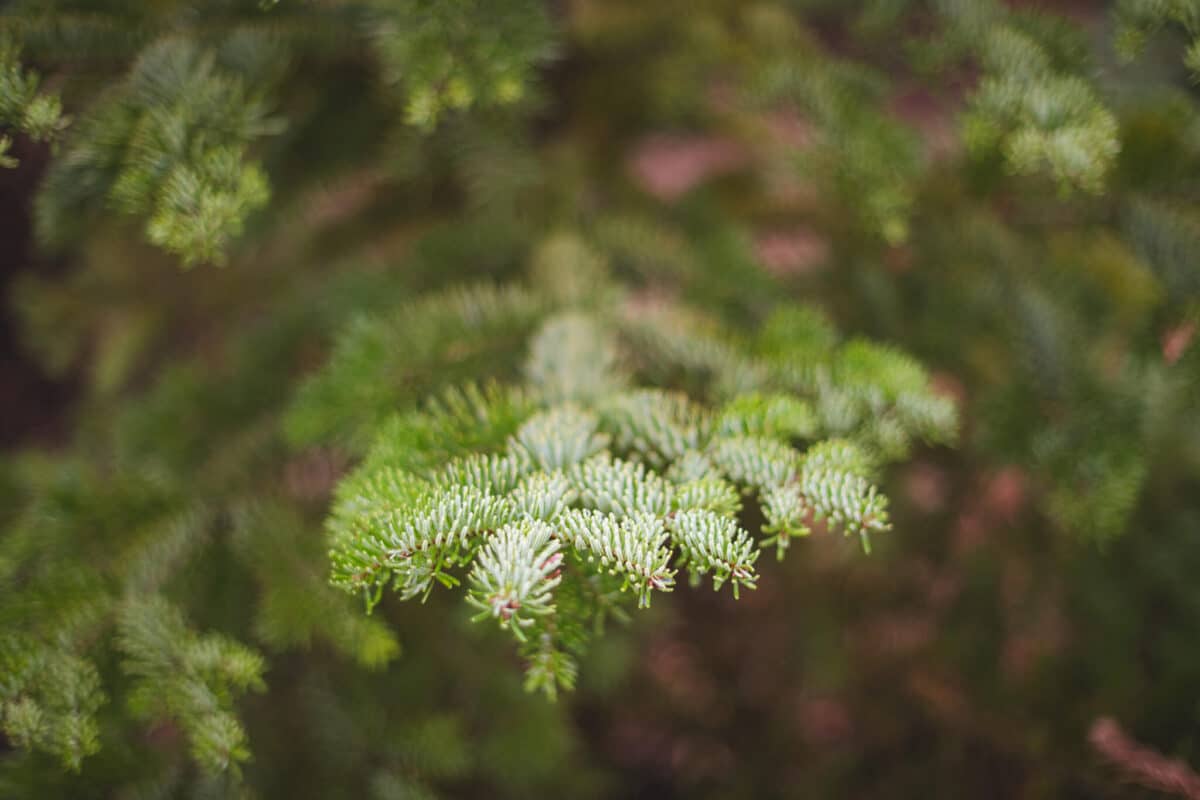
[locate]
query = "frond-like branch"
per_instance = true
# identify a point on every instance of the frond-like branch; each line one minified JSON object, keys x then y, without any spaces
{"x":634,"y":547}
{"x":515,"y":573}
{"x":754,"y":461}
{"x":620,"y":487}
{"x":559,"y":438}
{"x":711,"y":543}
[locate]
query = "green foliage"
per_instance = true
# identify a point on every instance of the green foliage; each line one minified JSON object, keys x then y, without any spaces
{"x":298,"y":608}
{"x":170,"y":145}
{"x":175,"y":144}
{"x":1138,"y":20}
{"x":458,"y":331}
{"x":866,"y":158}
{"x":188,"y":678}
{"x":21,"y":106}
{"x":515,"y":573}
{"x":101,"y":553}
{"x":443,"y":65}
{"x":1030,"y":107}
{"x":601,"y":483}
{"x":48,"y":699}
{"x":704,"y":195}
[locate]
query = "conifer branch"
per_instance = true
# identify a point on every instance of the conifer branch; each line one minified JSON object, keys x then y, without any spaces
{"x":626,"y":479}
{"x":189,"y":678}
{"x":515,"y":573}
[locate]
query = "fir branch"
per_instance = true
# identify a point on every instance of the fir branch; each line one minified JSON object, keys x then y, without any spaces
{"x":754,"y":461}
{"x":171,"y":146}
{"x":189,"y":678}
{"x":419,"y":543}
{"x":443,"y":66}
{"x":22,"y":107}
{"x":490,"y":474}
{"x":559,"y":438}
{"x":1039,"y":117}
{"x":401,"y":358}
{"x":633,"y":547}
{"x":709,"y":542}
{"x":627,"y":478}
{"x":709,"y":494}
{"x":48,"y":699}
{"x":514,"y":575}
{"x":776,"y":416}
{"x":572,"y":358}
{"x":620,"y":487}
{"x":543,"y":496}
{"x":658,"y":426}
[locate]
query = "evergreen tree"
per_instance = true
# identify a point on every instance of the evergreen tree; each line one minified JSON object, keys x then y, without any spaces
{"x":533,"y":306}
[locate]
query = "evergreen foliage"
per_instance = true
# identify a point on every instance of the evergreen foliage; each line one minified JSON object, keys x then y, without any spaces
{"x":188,"y":678}
{"x":1139,"y":19}
{"x":21,"y":105}
{"x":484,"y":336}
{"x":599,"y":481}
{"x":442,"y":64}
{"x":1030,"y":105}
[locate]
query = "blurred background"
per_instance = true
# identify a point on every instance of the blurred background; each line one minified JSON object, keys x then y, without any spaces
{"x":1008,"y":191}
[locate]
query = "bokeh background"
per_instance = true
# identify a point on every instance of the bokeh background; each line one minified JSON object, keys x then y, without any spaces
{"x":1008,"y":191}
